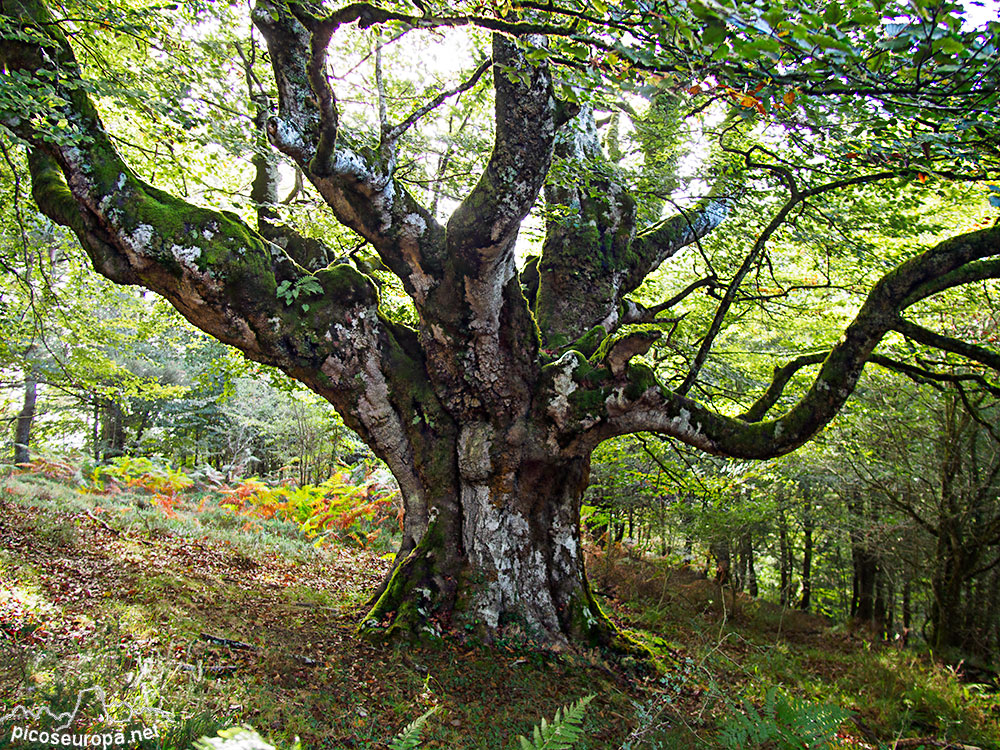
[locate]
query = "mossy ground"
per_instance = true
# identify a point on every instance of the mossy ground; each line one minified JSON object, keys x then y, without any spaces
{"x":98,"y":590}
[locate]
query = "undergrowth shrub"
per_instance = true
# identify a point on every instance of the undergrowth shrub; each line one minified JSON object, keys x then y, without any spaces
{"x":164,"y":483}
{"x":337,"y":510}
{"x":54,"y":468}
{"x":342,"y":509}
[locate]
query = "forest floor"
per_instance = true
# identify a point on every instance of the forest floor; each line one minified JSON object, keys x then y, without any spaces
{"x":193,"y":623}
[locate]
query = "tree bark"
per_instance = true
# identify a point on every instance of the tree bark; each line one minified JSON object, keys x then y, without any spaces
{"x":749,"y":582}
{"x":786,"y":562}
{"x":953,"y":567}
{"x":25,"y":418}
{"x":865,"y":561}
{"x":504,"y":557}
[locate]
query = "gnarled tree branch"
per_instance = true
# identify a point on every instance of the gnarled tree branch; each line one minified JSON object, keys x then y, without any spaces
{"x":483,"y":227}
{"x":947,"y":343}
{"x":636,"y":401}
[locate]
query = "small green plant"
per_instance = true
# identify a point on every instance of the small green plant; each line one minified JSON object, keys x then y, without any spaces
{"x":409,"y":738}
{"x":238,"y":738}
{"x":784,"y":722}
{"x":562,"y":733}
{"x":289,"y":291}
{"x":234,"y":738}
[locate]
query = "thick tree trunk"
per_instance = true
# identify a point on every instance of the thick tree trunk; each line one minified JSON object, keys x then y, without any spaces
{"x":488,"y":406}
{"x":501,"y":557}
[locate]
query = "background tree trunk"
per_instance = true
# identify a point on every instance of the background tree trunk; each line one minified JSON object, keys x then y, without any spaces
{"x":25,"y":418}
{"x":750,"y":571}
{"x":112,"y":435}
{"x":808,"y":524}
{"x":786,"y":561}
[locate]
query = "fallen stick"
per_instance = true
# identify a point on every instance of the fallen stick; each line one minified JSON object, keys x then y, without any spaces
{"x":216,"y":640}
{"x":95,"y":519}
{"x":117,"y":532}
{"x":201,"y":669}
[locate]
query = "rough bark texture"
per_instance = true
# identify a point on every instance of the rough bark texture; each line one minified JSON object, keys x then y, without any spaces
{"x":488,"y":409}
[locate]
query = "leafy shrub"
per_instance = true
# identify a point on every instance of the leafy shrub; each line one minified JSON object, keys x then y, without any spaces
{"x":163,"y":482}
{"x":335,"y":510}
{"x":48,"y":467}
{"x":338,"y":509}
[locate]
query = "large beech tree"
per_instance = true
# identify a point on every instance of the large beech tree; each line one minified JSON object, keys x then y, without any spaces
{"x":487,"y":408}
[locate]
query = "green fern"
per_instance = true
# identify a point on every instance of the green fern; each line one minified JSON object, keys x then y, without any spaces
{"x":409,"y":738}
{"x":564,"y":730}
{"x":785,"y":722}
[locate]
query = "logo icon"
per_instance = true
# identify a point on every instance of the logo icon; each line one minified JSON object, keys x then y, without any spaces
{"x":42,"y":725}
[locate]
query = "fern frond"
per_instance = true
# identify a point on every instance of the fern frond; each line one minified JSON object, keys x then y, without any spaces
{"x":562,"y":733}
{"x":409,"y":737}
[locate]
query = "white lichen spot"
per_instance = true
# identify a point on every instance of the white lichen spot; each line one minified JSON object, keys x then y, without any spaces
{"x":286,"y":134}
{"x":185,"y":255}
{"x":348,"y":163}
{"x":74,"y":157}
{"x":413,"y":226}
{"x":564,"y":538}
{"x":681,"y":424}
{"x":140,"y":238}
